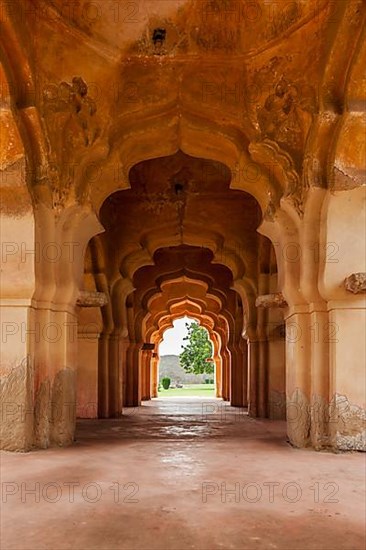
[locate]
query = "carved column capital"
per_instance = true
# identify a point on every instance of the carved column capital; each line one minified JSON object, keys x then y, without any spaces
{"x":271,"y":300}
{"x":88,"y":298}
{"x":356,"y":283}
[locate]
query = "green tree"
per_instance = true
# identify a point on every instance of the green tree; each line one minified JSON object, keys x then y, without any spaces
{"x":195,"y":354}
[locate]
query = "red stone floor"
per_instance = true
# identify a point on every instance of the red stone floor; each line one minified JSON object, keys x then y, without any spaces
{"x":182,"y":473}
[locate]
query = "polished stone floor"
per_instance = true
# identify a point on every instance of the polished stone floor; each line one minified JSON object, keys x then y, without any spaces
{"x":182,"y":473}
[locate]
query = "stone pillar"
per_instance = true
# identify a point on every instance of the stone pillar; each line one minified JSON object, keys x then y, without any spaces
{"x":17,"y":377}
{"x":55,"y":388}
{"x":17,"y":285}
{"x":262,"y":377}
{"x":320,"y":380}
{"x":225,"y":364}
{"x":253,"y":359}
{"x":154,"y":374}
{"x":262,"y":337}
{"x":218,"y":376}
{"x":59,"y":273}
{"x":275,"y":333}
{"x":63,"y":393}
{"x":87,"y":374}
{"x":133,"y":394}
{"x":147,"y":393}
{"x":18,"y":329}
{"x":298,"y":376}
{"x":226,"y":367}
{"x":244,"y":359}
{"x":90,"y":325}
{"x":115,"y":374}
{"x":342,"y":284}
{"x":146,"y":357}
{"x":237,"y":376}
{"x":124,"y":344}
{"x":348,"y":378}
{"x":271,"y":382}
{"x":42,"y":361}
{"x":103,"y":375}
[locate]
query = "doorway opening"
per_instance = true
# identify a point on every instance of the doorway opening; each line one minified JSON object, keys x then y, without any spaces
{"x":186,"y":364}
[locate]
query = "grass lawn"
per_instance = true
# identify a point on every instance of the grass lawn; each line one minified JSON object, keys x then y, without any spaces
{"x":202,"y":390}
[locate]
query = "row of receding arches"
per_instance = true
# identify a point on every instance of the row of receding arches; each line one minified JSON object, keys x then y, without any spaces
{"x":156,"y":263}
{"x":138,"y":367}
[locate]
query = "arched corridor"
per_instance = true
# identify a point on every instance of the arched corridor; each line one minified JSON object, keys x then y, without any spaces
{"x":185,"y":247}
{"x":131,"y":213}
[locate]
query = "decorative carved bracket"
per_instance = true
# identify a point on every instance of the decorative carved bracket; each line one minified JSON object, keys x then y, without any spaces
{"x":268,"y":152}
{"x":356,"y":283}
{"x":89,"y":298}
{"x":271,"y":300}
{"x":73,"y":129}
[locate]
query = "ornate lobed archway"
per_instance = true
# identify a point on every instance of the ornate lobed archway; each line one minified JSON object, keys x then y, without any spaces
{"x":275,"y":128}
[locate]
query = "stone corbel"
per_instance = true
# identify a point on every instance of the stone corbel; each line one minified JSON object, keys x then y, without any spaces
{"x":147,"y":346}
{"x":356,"y":283}
{"x":88,"y":298}
{"x":271,"y":300}
{"x":268,"y":152}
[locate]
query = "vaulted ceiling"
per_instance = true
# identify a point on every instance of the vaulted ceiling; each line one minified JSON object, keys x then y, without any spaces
{"x":244,"y":83}
{"x":182,"y":124}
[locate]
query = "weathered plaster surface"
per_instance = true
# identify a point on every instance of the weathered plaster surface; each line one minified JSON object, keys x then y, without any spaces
{"x":348,"y":425}
{"x":42,"y":413}
{"x":298,"y":419}
{"x":16,"y":391}
{"x":63,"y":413}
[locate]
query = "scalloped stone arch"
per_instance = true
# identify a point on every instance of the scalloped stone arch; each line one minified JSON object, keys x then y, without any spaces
{"x":166,"y":134}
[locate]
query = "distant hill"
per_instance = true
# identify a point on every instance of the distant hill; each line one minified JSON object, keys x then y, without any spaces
{"x":169,"y":366}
